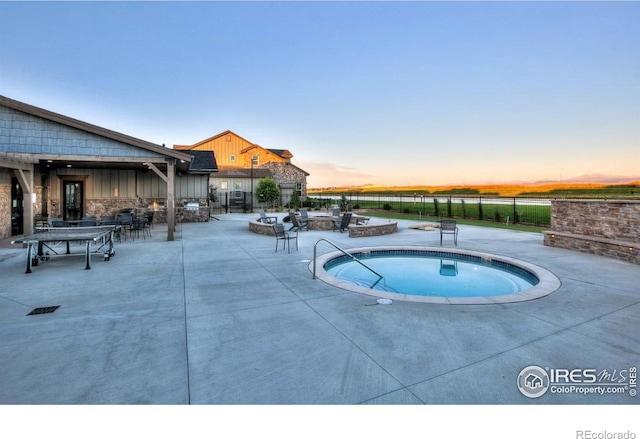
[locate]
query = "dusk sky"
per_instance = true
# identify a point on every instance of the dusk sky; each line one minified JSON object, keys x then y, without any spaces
{"x":392,"y":93}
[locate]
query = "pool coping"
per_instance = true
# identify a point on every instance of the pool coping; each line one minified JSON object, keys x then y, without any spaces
{"x":548,"y":282}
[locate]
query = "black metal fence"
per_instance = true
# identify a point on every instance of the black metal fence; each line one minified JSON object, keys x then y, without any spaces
{"x":519,"y":210}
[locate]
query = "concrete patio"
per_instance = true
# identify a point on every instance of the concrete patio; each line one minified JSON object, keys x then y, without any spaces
{"x":218,"y":317}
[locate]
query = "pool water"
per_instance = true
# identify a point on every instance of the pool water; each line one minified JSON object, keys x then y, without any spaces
{"x":432,"y":274}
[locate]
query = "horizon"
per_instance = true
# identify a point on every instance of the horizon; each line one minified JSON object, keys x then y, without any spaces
{"x":583,"y":180}
{"x":388,"y":93}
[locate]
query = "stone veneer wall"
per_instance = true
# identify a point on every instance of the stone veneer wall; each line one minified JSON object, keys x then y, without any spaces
{"x":605,"y":228}
{"x":365,"y":230}
{"x":100,"y":207}
{"x":261,"y":228}
{"x":5,"y":211}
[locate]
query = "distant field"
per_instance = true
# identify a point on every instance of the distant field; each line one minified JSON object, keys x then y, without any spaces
{"x":629,"y":190}
{"x":499,"y":204}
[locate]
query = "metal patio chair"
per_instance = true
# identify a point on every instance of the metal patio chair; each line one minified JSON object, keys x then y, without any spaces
{"x":449,"y":227}
{"x":285,"y":237}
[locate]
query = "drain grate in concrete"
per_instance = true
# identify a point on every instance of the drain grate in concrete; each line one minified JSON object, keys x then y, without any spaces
{"x":44,"y":310}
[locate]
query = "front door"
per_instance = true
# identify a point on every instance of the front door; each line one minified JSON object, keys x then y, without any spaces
{"x":17,"y":211}
{"x":73,"y":200}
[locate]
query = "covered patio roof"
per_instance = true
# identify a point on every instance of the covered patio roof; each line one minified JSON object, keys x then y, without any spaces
{"x":129,"y":153}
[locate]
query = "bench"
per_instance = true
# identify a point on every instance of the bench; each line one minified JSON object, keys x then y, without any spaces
{"x":596,"y":245}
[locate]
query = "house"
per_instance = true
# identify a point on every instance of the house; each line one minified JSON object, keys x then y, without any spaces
{"x":52,"y":165}
{"x":241,"y":164}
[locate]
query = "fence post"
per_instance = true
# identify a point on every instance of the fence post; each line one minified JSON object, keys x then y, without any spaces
{"x":480,"y":215}
{"x":515,"y":218}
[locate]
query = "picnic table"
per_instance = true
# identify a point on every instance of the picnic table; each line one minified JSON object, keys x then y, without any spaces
{"x":51,"y":239}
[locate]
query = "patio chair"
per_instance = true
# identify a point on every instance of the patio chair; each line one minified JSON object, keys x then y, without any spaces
{"x":285,"y":237}
{"x":449,"y":227}
{"x":116,"y":226}
{"x":304,"y":219}
{"x":342,"y":223}
{"x":295,"y":222}
{"x":149,"y":216}
{"x":126,"y":221}
{"x":51,"y":220}
{"x":139,"y":225}
{"x":267,"y":219}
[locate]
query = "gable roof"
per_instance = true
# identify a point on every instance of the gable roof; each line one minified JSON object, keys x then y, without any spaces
{"x":284,"y":153}
{"x":217,"y":136}
{"x":202,"y":161}
{"x":92,"y":129}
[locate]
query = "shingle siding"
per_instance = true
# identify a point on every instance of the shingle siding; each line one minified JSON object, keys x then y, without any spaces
{"x":22,"y":133}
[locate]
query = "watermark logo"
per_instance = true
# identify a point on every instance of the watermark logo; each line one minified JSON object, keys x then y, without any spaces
{"x":534,"y":381}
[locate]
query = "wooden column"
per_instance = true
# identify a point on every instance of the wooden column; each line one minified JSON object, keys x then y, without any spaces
{"x":25,"y":178}
{"x":169,"y":179}
{"x":171,"y":198}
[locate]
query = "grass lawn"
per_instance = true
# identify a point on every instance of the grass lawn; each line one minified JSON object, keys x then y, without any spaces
{"x":414,"y":217}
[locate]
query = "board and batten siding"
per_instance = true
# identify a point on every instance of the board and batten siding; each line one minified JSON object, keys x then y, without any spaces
{"x":102,"y":183}
{"x":224,"y":147}
{"x":233,"y":145}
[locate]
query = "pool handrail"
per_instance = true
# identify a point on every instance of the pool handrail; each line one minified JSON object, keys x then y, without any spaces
{"x":347,"y":254}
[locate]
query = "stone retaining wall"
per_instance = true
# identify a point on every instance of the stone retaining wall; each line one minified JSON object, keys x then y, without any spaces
{"x":365,"y":230}
{"x":605,"y":228}
{"x":260,"y":228}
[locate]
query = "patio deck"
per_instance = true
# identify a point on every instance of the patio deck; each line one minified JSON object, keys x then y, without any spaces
{"x":217,"y":317}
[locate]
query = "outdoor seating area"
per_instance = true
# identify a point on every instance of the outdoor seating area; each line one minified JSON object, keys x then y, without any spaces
{"x":219,"y":303}
{"x":356,"y":225}
{"x":129,"y":225}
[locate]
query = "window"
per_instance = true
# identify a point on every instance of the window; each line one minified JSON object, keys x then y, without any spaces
{"x":232,"y":158}
{"x":237,"y":188}
{"x":254,"y":160}
{"x":299,"y":189}
{"x":224,"y":185}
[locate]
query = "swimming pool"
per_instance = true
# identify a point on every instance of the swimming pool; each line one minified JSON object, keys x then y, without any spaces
{"x":436,"y":275}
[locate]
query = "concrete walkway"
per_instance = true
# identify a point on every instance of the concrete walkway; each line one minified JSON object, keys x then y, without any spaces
{"x":218,"y":317}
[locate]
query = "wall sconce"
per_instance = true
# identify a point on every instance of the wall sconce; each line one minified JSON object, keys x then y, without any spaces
{"x":115,"y":191}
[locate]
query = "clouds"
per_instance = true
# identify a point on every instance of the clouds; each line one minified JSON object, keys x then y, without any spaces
{"x":327,"y":174}
{"x":394,"y":93}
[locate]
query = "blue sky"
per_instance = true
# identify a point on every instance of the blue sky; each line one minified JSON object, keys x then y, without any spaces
{"x":394,"y":93}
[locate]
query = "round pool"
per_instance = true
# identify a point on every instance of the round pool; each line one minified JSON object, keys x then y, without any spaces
{"x":435,"y":275}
